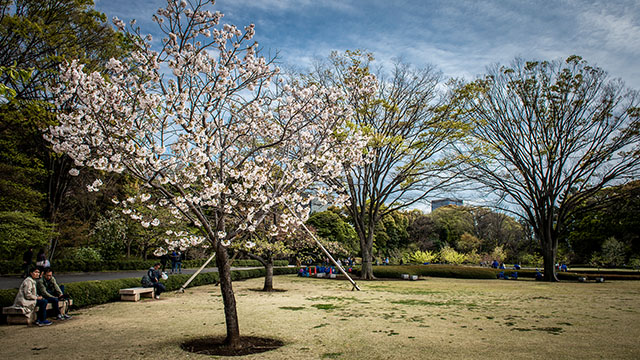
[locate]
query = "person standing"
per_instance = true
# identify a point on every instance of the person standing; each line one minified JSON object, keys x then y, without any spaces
{"x":174,"y":261}
{"x":27,"y":259}
{"x":48,"y":288}
{"x":41,"y":259}
{"x":179,"y":262}
{"x":27,"y":298}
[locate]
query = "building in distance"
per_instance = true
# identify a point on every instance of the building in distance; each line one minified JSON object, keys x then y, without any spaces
{"x":444,"y":202}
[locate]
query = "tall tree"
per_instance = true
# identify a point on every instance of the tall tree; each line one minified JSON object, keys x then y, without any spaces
{"x":549,"y":135}
{"x":38,"y":35}
{"x":610,"y":212}
{"x":214,"y":139}
{"x":407,"y":119}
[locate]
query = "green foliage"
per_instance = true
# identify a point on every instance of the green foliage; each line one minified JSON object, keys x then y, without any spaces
{"x":88,"y":293}
{"x":613,"y":252}
{"x":449,"y":271}
{"x":84,"y":265}
{"x":109,"y":234}
{"x":85,"y":254}
{"x":473,"y":257}
{"x":19,"y":231}
{"x":451,"y":222}
{"x":532,"y":260}
{"x":468,"y":242}
{"x":609,"y":212}
{"x":333,"y":227}
{"x":450,"y":256}
{"x":499,"y":254}
{"x":420,"y":257}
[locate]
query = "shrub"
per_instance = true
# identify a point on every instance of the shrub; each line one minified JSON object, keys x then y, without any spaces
{"x":85,"y":253}
{"x":532,"y":260}
{"x":420,"y":257}
{"x":99,"y":292}
{"x":21,"y":230}
{"x":473,"y":258}
{"x":499,"y":254}
{"x":450,"y":256}
{"x":450,"y":271}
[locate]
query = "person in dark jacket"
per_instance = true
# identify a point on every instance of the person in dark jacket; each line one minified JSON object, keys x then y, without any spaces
{"x":48,"y":288}
{"x":27,"y":259}
{"x":152,"y":279}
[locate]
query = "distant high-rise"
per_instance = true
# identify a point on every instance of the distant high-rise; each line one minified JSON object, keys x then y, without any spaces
{"x":444,"y":202}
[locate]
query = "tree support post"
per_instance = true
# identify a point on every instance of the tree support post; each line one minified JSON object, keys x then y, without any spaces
{"x":355,"y":286}
{"x":184,"y":286}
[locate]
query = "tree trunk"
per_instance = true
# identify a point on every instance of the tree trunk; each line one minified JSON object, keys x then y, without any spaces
{"x":367,"y":260}
{"x":228,"y":298}
{"x":549,"y":251}
{"x":268,"y":276}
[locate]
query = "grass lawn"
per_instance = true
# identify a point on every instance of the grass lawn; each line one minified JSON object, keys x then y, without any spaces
{"x":434,"y":318}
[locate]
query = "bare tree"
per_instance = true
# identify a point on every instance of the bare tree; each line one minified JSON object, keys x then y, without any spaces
{"x":547,"y":135}
{"x":407,"y":119}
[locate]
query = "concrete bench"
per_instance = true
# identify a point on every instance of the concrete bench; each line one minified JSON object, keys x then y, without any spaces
{"x":17,"y":316}
{"x":134,"y":294}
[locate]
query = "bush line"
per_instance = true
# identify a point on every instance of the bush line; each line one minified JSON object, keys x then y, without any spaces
{"x":64,"y":265}
{"x":471,"y":272}
{"x":97,"y":292}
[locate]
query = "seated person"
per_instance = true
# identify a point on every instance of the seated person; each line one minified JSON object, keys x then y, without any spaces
{"x":564,"y":268}
{"x":516,"y":266}
{"x":502,"y":266}
{"x":152,"y":279}
{"x":27,"y":298}
{"x":48,"y":288}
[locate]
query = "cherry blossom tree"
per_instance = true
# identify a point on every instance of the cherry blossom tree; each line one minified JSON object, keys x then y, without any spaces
{"x":209,"y":126}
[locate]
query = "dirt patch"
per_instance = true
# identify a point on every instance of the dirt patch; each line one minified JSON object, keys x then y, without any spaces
{"x":269,"y":291}
{"x":216,"y":346}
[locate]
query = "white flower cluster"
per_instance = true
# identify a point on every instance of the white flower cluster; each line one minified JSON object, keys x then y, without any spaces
{"x":217,"y":139}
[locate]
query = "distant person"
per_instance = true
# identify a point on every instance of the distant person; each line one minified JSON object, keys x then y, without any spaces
{"x":564,"y":268}
{"x":495,"y":264}
{"x":174,"y":261}
{"x":27,"y":298}
{"x":41,"y":260}
{"x":539,"y":276}
{"x":179,"y":262}
{"x":386,"y":260}
{"x":502,"y":266}
{"x":516,"y":266}
{"x":27,"y":259}
{"x":163,"y":260}
{"x":48,"y":288}
{"x":152,"y":279}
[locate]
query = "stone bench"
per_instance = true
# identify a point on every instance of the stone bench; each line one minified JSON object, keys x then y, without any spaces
{"x":17,"y":316}
{"x":134,"y":294}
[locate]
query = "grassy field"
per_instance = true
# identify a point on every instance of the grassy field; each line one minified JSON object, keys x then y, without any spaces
{"x":323,"y":319}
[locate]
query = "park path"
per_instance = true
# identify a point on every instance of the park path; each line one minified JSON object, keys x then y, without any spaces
{"x":14,"y":281}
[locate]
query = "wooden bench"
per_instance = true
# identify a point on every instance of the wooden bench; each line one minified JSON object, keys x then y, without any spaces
{"x":17,"y":316}
{"x":133,"y":294}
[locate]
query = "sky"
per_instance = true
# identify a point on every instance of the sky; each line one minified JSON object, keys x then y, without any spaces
{"x":459,"y":37}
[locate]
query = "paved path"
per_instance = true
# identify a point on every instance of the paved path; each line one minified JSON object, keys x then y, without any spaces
{"x":9,"y":282}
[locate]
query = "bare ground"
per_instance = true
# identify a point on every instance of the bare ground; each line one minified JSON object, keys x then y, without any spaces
{"x":324,"y":319}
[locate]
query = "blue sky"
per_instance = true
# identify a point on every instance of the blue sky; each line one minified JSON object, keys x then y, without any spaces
{"x":459,"y":37}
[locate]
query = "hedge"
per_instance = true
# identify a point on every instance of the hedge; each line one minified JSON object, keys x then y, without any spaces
{"x":471,"y":272}
{"x":96,"y":292}
{"x":450,"y":271}
{"x":64,"y":265}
